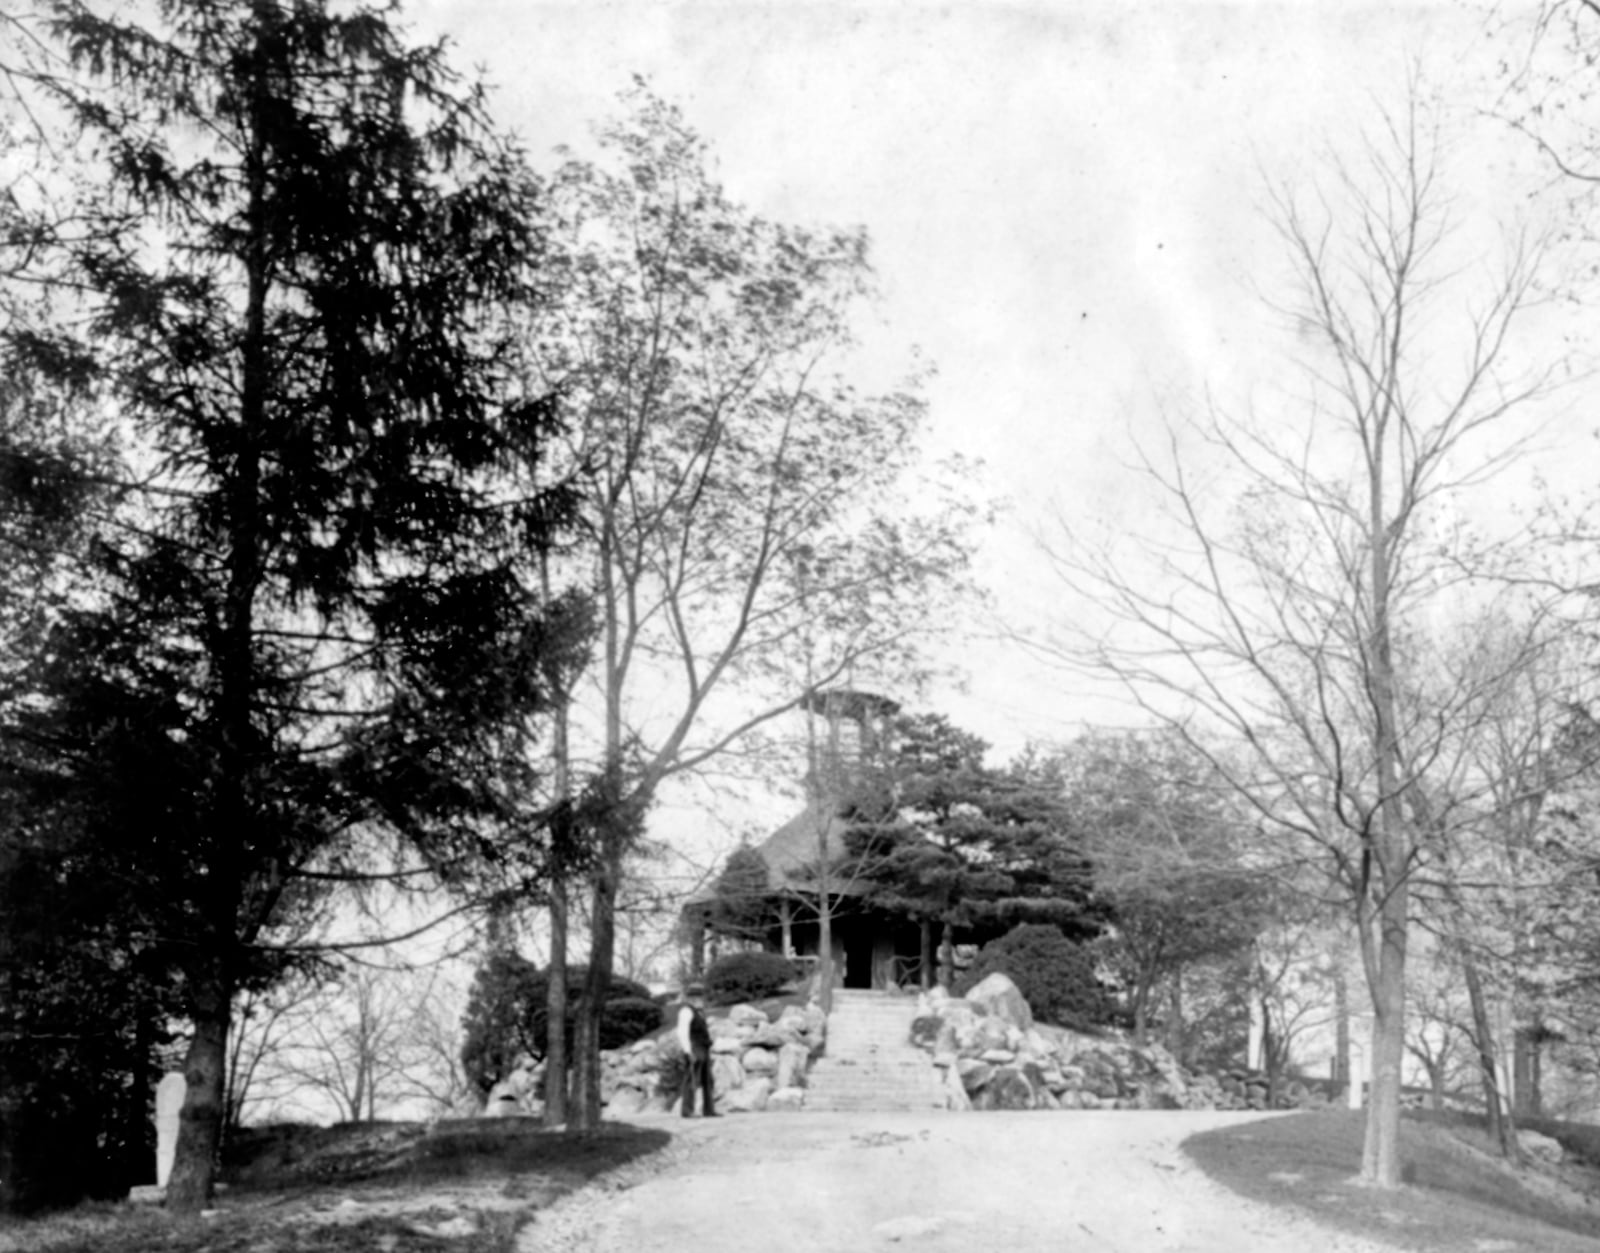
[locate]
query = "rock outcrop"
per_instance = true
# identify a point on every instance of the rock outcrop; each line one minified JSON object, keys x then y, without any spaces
{"x":985,"y":1048}
{"x":993,"y":1055}
{"x":759,"y":1062}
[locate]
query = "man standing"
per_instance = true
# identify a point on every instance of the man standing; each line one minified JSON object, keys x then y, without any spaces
{"x":694,"y":1037}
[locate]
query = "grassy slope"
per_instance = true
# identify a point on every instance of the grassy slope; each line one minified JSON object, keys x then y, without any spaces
{"x":307,"y":1171}
{"x":306,"y":1190}
{"x":1453,"y":1198}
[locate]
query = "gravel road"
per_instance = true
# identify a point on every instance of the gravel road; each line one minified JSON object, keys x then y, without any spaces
{"x":1100,"y":1182}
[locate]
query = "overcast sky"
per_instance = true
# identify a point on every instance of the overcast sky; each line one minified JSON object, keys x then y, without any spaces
{"x":1064,"y":199}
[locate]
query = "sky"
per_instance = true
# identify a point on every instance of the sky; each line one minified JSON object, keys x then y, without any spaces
{"x":1064,"y":199}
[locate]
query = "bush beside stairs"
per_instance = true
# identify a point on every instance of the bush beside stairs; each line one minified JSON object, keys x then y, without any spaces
{"x":869,"y":1062}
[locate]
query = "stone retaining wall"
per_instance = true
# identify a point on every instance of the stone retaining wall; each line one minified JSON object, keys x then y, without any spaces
{"x":990,"y":1053}
{"x":993,"y":1055}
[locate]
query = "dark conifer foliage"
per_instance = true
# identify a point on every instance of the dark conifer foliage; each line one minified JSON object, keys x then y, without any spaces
{"x":942,"y":838}
{"x":307,"y":621}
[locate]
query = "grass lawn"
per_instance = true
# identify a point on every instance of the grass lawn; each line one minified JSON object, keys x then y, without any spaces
{"x":1455,"y":1196}
{"x":388,"y":1187}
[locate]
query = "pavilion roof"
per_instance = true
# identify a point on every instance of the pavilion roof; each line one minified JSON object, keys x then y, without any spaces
{"x":792,"y":853}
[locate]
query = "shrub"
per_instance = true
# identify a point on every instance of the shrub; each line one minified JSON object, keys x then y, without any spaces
{"x":748,"y":977}
{"x":1054,"y":975}
{"x":506,"y":1015}
{"x":629,"y":1018}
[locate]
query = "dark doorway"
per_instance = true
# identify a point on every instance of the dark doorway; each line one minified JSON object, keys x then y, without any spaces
{"x":857,"y":960}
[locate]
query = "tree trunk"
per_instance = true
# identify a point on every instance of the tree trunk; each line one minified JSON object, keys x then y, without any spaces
{"x":824,"y":947}
{"x":210,"y":999}
{"x":1390,"y":844}
{"x":1341,"y":1045}
{"x":1174,"y":1032}
{"x":584,"y":1114}
{"x":200,"y":1119}
{"x":555,"y":1049}
{"x":561,"y":838}
{"x":925,"y":954}
{"x":947,"y":956}
{"x":1270,"y":1061}
{"x":1497,"y":1116}
{"x":1526,"y":1079}
{"x":1380,"y":1159}
{"x":133,"y":1165}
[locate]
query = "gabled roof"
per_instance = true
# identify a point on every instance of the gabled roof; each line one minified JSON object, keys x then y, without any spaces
{"x":791,"y":853}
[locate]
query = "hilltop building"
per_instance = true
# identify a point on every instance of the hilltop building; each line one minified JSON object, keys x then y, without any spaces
{"x":848,"y":734}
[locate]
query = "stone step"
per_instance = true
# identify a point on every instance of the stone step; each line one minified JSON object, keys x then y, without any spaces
{"x":868,"y":1061}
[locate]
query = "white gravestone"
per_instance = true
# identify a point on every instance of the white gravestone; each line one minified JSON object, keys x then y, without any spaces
{"x":169,"y":1100}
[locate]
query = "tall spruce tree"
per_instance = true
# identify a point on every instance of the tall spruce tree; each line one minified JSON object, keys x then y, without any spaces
{"x":288,"y":280}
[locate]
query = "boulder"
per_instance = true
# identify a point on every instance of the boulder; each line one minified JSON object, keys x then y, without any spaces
{"x":792,"y":1020}
{"x":792,"y":1065}
{"x":726,"y":1073}
{"x":925,"y":1029}
{"x":748,"y":1016}
{"x":992,"y":1034}
{"x":967,"y":1027}
{"x":783,"y":1099}
{"x":1155,"y":1096}
{"x":649,"y":1059}
{"x":1540,"y":1147}
{"x":1008,"y":1089}
{"x":758,"y":1061}
{"x":998,"y":1057}
{"x":774,"y":1035}
{"x":625,"y":1101}
{"x":727,"y":1044}
{"x":749,"y":1099}
{"x":503,"y":1102}
{"x":974,"y":1074}
{"x":1000,"y":998}
{"x":1165,"y":1065}
{"x":955,"y":1092}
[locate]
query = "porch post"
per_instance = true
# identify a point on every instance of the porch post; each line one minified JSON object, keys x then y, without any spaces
{"x":925,"y":955}
{"x":786,"y":919}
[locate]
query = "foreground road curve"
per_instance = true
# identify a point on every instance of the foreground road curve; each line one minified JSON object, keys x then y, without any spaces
{"x":1101,"y":1182}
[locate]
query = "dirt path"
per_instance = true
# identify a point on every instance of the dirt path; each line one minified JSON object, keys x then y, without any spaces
{"x":1015,"y":1183}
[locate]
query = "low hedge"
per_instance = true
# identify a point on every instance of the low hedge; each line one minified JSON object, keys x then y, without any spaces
{"x":748,"y":977}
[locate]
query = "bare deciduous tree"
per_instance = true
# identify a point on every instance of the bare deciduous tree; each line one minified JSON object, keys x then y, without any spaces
{"x":1288,"y":631}
{"x":697,"y":349}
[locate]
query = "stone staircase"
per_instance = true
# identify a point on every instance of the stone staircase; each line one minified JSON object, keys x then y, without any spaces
{"x":869,"y":1062}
